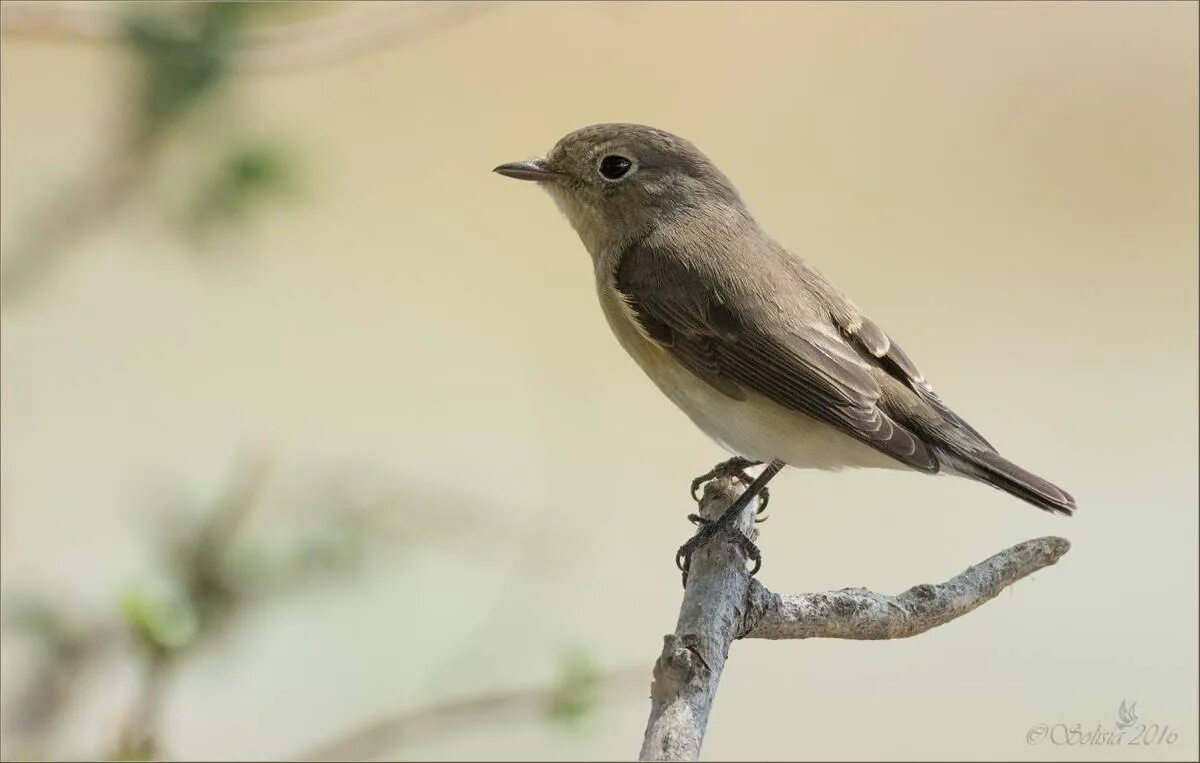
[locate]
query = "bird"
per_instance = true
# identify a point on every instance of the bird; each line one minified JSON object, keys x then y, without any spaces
{"x":765,"y":355}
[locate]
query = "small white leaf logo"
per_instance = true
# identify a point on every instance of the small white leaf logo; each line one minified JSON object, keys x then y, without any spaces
{"x":1126,"y":715}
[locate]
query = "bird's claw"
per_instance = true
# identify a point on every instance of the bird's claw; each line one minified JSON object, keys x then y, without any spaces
{"x":708,"y":531}
{"x":735,"y":468}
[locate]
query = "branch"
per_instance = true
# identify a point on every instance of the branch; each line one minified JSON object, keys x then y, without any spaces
{"x":710,"y":618}
{"x":286,"y":49}
{"x":386,"y":734}
{"x":278,"y":48}
{"x":856,"y":613}
{"x":76,"y":211}
{"x":722,"y":603}
{"x":98,"y":197}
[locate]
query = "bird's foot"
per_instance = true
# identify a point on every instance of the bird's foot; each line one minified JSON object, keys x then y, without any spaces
{"x":735,"y":468}
{"x":709,"y":530}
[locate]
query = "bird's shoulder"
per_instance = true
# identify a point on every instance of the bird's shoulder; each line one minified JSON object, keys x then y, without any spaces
{"x":737,"y":267}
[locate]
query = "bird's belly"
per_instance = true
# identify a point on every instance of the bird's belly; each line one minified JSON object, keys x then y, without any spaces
{"x":755,"y":427}
{"x":763,"y":430}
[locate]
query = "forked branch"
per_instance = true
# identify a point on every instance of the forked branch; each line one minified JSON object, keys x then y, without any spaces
{"x":722,"y":603}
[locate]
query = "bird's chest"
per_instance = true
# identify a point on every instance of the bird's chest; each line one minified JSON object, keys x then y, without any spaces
{"x":706,"y":406}
{"x":624,"y":324}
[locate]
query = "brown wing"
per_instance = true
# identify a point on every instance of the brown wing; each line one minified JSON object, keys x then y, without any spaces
{"x":897,"y":363}
{"x":735,"y":340}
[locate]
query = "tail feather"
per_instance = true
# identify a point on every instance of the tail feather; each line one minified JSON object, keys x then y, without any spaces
{"x":1000,"y":473}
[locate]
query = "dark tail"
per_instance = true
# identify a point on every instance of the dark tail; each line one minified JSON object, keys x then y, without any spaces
{"x":1007,"y":476}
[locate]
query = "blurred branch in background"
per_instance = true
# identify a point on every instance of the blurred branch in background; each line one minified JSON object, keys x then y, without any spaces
{"x":202,"y":589}
{"x":297,"y":46}
{"x":65,"y":646}
{"x":578,"y":689}
{"x":182,"y":58}
{"x":212,"y":572}
{"x":186,"y":54}
{"x":214,"y":568}
{"x":344,"y":30}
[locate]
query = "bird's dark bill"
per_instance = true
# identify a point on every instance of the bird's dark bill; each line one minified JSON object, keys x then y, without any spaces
{"x":535,"y":169}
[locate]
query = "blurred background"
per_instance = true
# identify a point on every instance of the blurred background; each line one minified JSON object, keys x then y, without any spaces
{"x":315,"y":442}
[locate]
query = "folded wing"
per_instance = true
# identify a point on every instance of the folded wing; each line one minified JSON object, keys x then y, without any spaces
{"x":735,"y":339}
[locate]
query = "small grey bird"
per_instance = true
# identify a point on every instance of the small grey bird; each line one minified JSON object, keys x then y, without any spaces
{"x":758,"y":349}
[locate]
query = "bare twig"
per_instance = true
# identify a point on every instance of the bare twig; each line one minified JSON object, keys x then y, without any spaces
{"x":69,"y":649}
{"x":240,"y":497}
{"x":288,"y":49}
{"x":386,"y":734}
{"x":710,"y":618}
{"x":275,"y":49}
{"x":98,"y":197}
{"x":74,"y":213}
{"x":856,"y":613}
{"x":138,"y":733}
{"x":721,"y":603}
{"x":72,"y":22}
{"x":200,"y":573}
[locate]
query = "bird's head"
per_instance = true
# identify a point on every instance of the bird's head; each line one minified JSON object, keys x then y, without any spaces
{"x":617,"y":182}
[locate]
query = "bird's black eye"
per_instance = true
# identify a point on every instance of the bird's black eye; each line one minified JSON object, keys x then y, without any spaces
{"x":614,"y":167}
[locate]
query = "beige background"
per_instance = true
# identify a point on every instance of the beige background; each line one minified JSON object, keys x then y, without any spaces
{"x":1009,"y":189}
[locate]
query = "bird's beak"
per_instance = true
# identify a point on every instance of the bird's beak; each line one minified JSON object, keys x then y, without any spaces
{"x":534,"y":169}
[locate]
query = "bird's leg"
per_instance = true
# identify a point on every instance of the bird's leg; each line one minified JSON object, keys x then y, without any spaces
{"x":735,"y":468}
{"x":725,"y":524}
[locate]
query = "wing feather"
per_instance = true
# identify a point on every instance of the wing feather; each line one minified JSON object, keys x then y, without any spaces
{"x":736,"y":341}
{"x":897,"y":363}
